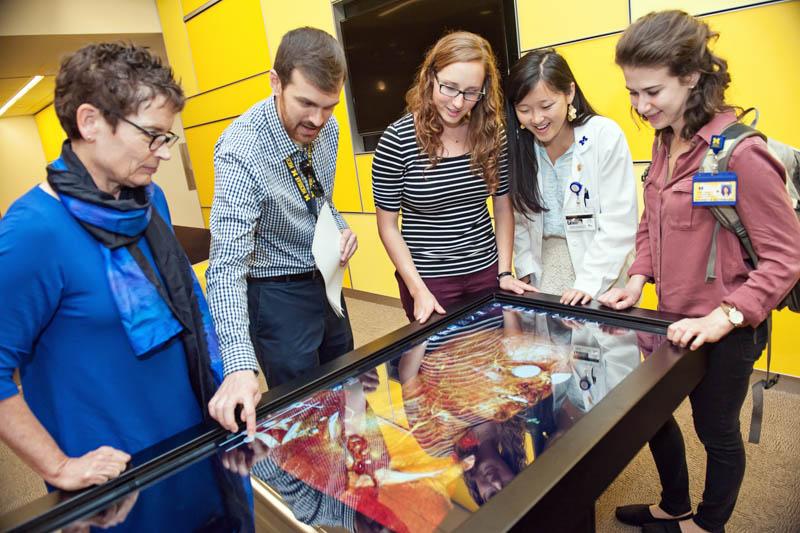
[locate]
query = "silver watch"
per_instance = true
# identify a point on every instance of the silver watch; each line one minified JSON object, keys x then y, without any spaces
{"x":734,"y":315}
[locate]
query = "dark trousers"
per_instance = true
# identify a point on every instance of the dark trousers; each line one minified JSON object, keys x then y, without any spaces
{"x":716,"y":405}
{"x":450,"y":289}
{"x":293,"y":328}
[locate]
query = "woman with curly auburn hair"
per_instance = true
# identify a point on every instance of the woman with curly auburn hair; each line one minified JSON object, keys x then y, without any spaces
{"x":677,"y":84}
{"x":438,"y":164}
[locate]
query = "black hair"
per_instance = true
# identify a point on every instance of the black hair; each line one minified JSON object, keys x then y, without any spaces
{"x":550,"y":67}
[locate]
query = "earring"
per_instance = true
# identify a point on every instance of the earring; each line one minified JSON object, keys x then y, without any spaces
{"x":522,"y":126}
{"x":571,"y":112}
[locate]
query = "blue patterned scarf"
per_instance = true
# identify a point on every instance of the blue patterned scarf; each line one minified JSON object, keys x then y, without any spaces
{"x":157,"y":304}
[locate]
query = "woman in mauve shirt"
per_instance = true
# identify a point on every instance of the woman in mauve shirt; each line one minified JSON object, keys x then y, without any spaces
{"x":677,"y":84}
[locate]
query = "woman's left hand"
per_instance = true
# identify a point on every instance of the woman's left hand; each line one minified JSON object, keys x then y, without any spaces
{"x":709,"y":328}
{"x":510,"y":283}
{"x":575,"y":297}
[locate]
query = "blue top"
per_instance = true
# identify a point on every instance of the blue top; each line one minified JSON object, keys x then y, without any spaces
{"x":554,"y":179}
{"x":61,"y":328}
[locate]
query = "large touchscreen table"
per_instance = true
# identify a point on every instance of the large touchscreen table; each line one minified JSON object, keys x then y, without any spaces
{"x":513,"y":411}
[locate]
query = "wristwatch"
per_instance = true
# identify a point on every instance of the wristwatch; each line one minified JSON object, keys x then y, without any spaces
{"x":503,"y":274}
{"x":735,"y":316}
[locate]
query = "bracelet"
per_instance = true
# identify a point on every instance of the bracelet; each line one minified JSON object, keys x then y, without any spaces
{"x":502,"y":275}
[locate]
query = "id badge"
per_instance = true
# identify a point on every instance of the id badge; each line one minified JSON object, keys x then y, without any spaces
{"x":579,"y":219}
{"x":586,"y":353}
{"x":714,"y":189}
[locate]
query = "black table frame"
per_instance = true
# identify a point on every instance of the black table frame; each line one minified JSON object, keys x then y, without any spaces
{"x":555,"y":493}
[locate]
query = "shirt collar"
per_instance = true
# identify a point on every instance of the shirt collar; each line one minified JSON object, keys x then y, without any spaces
{"x":541,"y":151}
{"x":712,"y":127}
{"x":715,"y":126}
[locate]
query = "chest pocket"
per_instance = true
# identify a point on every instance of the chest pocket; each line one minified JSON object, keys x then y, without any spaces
{"x":678,"y":206}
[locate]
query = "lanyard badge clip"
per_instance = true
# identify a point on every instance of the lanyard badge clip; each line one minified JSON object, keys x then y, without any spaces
{"x":717,"y":144}
{"x":576,"y":189}
{"x":314,"y":189}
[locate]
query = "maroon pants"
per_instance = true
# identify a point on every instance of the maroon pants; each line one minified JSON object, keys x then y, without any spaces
{"x":450,"y":289}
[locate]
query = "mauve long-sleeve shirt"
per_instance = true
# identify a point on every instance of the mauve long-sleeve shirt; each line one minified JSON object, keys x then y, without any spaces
{"x":674,"y":237}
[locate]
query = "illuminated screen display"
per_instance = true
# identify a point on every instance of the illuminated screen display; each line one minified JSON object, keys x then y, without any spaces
{"x":421,"y":441}
{"x":415,"y":444}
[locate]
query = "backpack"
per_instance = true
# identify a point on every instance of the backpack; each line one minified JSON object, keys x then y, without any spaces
{"x":726,"y":215}
{"x":728,"y":218}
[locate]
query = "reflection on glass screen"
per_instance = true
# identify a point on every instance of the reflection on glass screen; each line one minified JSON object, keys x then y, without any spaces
{"x":419,"y":442}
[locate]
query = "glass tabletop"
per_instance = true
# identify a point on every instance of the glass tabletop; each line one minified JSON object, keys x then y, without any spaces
{"x":416,"y":443}
{"x":419,"y":442}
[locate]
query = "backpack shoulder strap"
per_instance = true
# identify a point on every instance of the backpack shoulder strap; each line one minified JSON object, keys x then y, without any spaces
{"x":734,"y":134}
{"x":726,"y":215}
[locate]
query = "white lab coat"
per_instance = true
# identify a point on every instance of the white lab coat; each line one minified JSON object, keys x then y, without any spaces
{"x":602,"y":164}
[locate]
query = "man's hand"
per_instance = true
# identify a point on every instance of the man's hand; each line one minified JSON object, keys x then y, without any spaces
{"x":575,"y":297}
{"x":709,"y":328}
{"x":93,"y":468}
{"x":348,"y":244}
{"x":238,"y":388}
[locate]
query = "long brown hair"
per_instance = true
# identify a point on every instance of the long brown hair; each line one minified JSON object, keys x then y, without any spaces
{"x":485,"y":136}
{"x":680,"y":42}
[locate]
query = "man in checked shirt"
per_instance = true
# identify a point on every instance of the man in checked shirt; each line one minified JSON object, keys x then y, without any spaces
{"x":274,"y":169}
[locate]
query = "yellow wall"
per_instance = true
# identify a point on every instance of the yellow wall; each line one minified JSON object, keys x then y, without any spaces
{"x":22,"y":156}
{"x":50,"y":132}
{"x":759,"y":43}
{"x":176,"y":40}
{"x":228,"y":43}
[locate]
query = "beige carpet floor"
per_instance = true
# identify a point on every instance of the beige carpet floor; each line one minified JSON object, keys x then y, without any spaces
{"x":770,"y":497}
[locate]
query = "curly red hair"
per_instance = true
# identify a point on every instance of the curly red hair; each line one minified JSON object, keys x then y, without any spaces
{"x":486,"y":121}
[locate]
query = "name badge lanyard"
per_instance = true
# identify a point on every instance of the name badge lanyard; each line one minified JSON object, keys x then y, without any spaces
{"x":580,"y":217}
{"x":314,"y":189}
{"x":575,"y":187}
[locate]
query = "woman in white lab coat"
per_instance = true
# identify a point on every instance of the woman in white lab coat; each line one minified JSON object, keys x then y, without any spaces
{"x":572,"y":184}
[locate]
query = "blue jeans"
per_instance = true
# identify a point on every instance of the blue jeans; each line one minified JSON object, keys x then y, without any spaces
{"x":716,"y":405}
{"x":293,"y":328}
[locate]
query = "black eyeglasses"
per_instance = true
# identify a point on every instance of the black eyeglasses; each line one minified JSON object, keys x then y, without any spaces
{"x":452,"y":92}
{"x":157,"y":140}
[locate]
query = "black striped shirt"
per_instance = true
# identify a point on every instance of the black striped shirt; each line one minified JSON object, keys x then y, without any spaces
{"x":445,"y":222}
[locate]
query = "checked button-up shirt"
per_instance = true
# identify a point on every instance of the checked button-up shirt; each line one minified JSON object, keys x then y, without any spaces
{"x":260,"y":225}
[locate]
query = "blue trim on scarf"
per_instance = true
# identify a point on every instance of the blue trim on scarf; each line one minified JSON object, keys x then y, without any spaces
{"x":146,"y":318}
{"x":212,"y":341}
{"x":128,"y":223}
